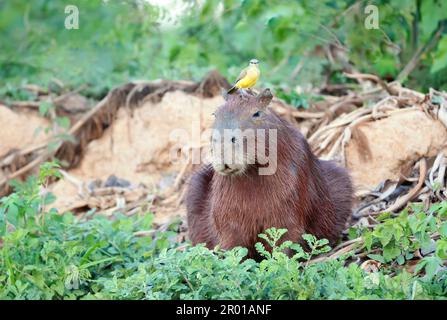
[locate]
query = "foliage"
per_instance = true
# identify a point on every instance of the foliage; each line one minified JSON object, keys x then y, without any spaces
{"x":399,"y":238}
{"x":118,"y":41}
{"x":45,"y":255}
{"x":59,"y":127}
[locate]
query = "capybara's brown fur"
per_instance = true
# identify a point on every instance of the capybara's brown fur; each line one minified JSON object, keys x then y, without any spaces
{"x":304,"y":195}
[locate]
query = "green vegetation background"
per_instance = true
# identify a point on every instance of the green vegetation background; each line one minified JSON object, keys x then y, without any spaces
{"x":122,"y":40}
{"x":45,"y":255}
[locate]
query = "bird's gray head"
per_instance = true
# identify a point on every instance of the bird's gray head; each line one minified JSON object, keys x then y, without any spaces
{"x":254,"y":62}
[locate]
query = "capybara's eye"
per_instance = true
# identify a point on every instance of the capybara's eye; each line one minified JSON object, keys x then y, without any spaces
{"x":256,"y":114}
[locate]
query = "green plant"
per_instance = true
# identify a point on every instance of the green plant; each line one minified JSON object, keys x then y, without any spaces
{"x":399,"y":238}
{"x":135,"y":41}
{"x":45,"y":255}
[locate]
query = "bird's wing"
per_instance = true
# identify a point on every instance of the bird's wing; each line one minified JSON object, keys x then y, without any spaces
{"x":241,"y":75}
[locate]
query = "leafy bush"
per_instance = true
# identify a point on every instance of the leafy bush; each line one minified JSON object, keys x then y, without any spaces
{"x":120,"y":41}
{"x":45,"y":255}
{"x":423,"y":232}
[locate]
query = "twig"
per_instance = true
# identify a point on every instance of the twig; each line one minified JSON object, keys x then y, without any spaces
{"x":410,"y":195}
{"x":414,"y":61}
{"x":371,"y":77}
{"x":344,"y":248}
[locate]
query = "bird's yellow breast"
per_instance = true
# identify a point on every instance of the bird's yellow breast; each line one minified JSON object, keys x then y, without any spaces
{"x":249,"y":80}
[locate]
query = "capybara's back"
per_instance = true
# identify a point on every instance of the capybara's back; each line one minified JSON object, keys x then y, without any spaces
{"x":341,"y":191}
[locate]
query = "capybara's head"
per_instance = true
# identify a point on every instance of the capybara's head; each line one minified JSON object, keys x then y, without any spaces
{"x":244,"y":133}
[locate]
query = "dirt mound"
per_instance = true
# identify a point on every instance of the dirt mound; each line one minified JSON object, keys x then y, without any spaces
{"x":20,"y":129}
{"x":89,"y":123}
{"x":20,"y":133}
{"x":137,"y":146}
{"x":393,"y":145}
{"x":382,"y":140}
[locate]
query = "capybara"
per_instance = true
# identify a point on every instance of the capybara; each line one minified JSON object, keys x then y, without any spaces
{"x":230,"y":201}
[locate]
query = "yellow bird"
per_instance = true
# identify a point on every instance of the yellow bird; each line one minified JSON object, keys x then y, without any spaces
{"x":248,"y":76}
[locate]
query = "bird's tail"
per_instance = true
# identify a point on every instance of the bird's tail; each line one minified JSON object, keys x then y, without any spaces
{"x":232,"y":89}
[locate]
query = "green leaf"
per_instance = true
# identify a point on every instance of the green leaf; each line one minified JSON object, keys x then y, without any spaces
{"x":443,"y":229}
{"x":368,"y":240}
{"x":63,"y":122}
{"x":391,"y":252}
{"x":432,"y":13}
{"x":45,"y":107}
{"x":440,"y":56}
{"x":385,"y":234}
{"x":441,"y":248}
{"x":377,"y":257}
{"x":431,"y":266}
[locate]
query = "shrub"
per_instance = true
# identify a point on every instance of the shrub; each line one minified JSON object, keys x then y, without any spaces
{"x":45,"y":255}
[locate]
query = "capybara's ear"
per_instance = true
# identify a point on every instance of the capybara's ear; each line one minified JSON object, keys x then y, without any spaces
{"x":264,"y":98}
{"x":225,"y":94}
